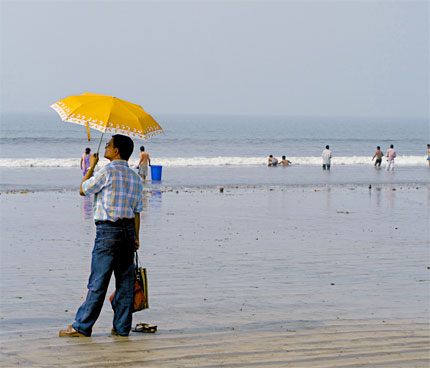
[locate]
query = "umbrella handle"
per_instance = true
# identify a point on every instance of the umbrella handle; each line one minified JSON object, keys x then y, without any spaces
{"x":98,"y":149}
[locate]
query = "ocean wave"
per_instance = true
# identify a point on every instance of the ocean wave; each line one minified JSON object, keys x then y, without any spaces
{"x":209,"y":161}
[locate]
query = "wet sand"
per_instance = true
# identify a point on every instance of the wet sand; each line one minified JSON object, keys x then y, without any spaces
{"x":300,"y":276}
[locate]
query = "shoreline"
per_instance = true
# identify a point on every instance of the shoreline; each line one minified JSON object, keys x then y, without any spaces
{"x":151,"y":187}
{"x":69,"y":179}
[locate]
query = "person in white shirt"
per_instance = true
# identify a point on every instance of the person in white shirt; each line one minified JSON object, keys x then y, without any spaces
{"x":390,"y":155}
{"x":326,"y":157}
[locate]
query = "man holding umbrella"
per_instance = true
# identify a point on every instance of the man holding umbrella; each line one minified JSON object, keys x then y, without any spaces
{"x":118,"y":201}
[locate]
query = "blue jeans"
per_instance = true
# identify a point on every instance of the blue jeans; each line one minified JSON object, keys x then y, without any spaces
{"x":113,"y":252}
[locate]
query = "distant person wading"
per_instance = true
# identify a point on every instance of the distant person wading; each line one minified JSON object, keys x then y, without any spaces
{"x":85,"y":161}
{"x":378,"y":155}
{"x":285,"y":162}
{"x":391,"y":155}
{"x":326,"y":158}
{"x":144,"y":162}
{"x":272,"y":161}
{"x":428,"y":154}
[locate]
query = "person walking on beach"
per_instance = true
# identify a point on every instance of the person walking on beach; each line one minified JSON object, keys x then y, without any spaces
{"x":428,"y":154}
{"x":143,"y":163}
{"x":326,"y":157}
{"x":378,"y":154}
{"x":285,"y":162}
{"x":85,"y":161}
{"x":390,"y":155}
{"x":118,"y":201}
{"x":272,"y":161}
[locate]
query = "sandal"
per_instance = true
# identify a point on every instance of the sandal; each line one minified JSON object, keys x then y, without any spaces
{"x":144,"y":327}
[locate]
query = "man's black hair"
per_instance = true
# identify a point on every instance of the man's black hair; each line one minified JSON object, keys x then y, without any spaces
{"x":327,"y":147}
{"x":87,"y":150}
{"x":378,"y":147}
{"x":391,"y":146}
{"x":142,"y":148}
{"x":124,"y":144}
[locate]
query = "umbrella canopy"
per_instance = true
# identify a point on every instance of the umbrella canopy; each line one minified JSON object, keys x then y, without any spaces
{"x":107,"y":114}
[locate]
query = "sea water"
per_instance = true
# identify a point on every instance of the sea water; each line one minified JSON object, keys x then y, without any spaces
{"x":221,"y":149}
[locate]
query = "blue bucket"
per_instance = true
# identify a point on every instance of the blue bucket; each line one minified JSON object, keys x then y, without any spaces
{"x":156,"y":172}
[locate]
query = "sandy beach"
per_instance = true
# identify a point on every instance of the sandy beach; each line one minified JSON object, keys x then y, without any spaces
{"x":300,"y":276}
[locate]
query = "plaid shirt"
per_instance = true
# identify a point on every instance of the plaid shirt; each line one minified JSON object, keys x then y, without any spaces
{"x":117,"y":192}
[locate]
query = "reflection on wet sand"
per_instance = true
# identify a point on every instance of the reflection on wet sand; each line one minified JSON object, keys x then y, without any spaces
{"x":155,"y":198}
{"x":378,"y":191}
{"x":391,"y":195}
{"x":327,"y":197}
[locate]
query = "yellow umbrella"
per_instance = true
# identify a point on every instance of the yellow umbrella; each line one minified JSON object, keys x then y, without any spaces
{"x":107,"y":114}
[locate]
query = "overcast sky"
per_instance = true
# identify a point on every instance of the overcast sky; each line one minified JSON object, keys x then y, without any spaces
{"x":312,"y":58}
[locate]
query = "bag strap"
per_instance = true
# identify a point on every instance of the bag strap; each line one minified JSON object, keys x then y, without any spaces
{"x":137,"y":259}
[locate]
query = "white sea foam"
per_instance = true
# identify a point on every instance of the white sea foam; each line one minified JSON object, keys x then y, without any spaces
{"x":209,"y":161}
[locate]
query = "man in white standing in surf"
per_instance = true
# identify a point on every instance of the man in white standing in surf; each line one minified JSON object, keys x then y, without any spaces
{"x":326,"y":157}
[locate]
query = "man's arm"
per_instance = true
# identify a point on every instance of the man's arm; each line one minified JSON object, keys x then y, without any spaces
{"x":137,"y":227}
{"x":93,"y":162}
